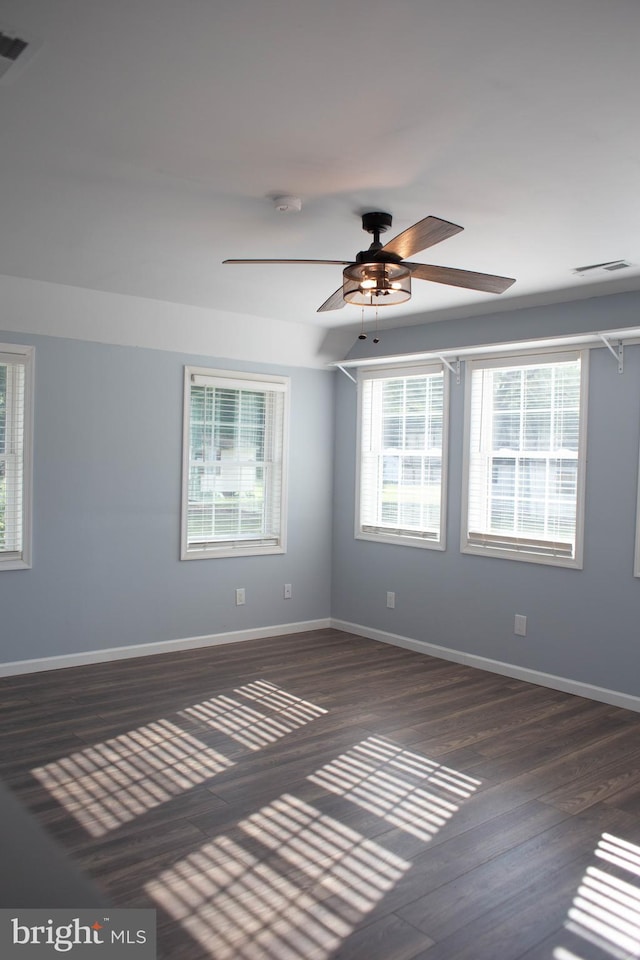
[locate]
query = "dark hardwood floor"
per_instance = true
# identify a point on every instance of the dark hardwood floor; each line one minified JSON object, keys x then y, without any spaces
{"x":323,"y":796}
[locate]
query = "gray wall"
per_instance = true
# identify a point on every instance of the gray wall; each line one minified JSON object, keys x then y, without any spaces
{"x":107,"y":483}
{"x":107,"y":498}
{"x":582,"y":624}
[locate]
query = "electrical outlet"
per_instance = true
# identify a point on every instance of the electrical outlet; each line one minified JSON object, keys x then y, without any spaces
{"x":520,"y":625}
{"x":391,"y":599}
{"x":240,"y":599}
{"x":287,"y":591}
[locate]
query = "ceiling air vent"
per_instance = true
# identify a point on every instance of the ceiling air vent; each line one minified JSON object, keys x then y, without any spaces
{"x":12,"y":51}
{"x":609,"y":267}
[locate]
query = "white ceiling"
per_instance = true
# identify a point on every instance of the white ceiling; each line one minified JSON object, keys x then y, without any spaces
{"x":140,"y":146}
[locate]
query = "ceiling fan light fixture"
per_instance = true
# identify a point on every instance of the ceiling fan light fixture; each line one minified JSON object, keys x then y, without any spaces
{"x":376,"y":284}
{"x":380,"y":276}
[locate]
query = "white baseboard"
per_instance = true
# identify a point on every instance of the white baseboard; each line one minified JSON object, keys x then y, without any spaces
{"x":591,"y":692}
{"x":163,"y":646}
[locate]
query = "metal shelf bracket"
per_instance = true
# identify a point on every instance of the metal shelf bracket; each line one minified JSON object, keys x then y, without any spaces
{"x":617,"y":351}
{"x":453,"y":367}
{"x":346,"y":372}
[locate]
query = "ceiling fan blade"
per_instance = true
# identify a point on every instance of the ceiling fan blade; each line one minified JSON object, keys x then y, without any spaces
{"x":421,"y":235}
{"x":453,"y":277}
{"x":335,"y":302}
{"x":342,"y":263}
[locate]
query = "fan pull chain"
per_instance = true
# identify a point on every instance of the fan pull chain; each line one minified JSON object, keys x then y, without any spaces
{"x":362,"y":335}
{"x":376,"y":339}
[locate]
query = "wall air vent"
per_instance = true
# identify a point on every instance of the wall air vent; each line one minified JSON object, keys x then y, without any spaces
{"x":610,"y":266}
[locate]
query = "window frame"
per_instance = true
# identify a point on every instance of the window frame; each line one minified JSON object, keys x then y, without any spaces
{"x":395,"y":372}
{"x":518,"y":550}
{"x":234,"y":548}
{"x":14,"y":355}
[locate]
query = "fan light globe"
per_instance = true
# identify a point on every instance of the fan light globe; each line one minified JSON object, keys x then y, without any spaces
{"x":376,"y":284}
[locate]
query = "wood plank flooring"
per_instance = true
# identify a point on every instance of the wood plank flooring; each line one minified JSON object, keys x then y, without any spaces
{"x":325,"y":797}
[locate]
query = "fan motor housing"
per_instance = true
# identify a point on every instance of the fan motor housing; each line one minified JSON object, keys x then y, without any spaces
{"x":376,"y":255}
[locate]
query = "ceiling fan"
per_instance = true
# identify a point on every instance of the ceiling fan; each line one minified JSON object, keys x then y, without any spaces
{"x":380,"y":276}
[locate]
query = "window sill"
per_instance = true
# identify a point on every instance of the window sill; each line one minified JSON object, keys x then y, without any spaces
{"x":522,"y":556}
{"x":14,"y":564}
{"x":224,"y":552}
{"x":421,"y":543}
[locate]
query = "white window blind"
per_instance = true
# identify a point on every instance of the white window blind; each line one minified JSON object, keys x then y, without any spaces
{"x":525,"y":457}
{"x":234,"y":465}
{"x":15,"y":457}
{"x":402,"y":419}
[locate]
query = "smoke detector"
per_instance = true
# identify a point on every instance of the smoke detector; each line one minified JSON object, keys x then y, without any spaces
{"x":287,"y":204}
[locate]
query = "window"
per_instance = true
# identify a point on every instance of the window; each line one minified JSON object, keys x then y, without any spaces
{"x":234,"y":464}
{"x":15,"y":456}
{"x":401,"y":464}
{"x":525,"y":460}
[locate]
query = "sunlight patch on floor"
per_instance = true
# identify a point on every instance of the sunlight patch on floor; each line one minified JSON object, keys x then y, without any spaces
{"x":405,"y":788}
{"x":111,"y":783}
{"x":237,"y":716}
{"x":321,"y":878}
{"x":606,"y":909}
